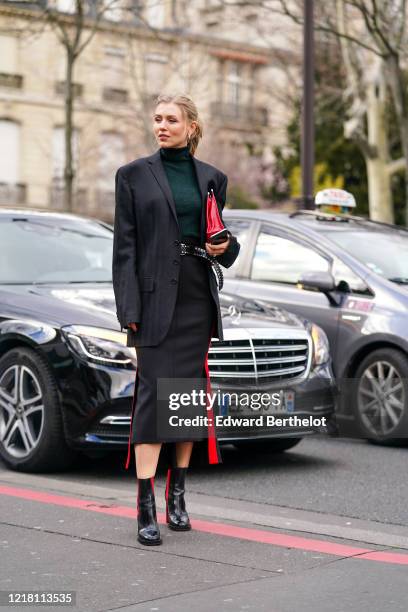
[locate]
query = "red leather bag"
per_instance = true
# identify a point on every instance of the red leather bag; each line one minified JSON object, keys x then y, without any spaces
{"x":214,"y":223}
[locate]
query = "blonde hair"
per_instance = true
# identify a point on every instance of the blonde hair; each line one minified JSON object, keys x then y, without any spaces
{"x":190,"y":112}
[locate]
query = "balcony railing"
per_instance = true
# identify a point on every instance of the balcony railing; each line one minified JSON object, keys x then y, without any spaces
{"x":111,"y":94}
{"x":12,"y":193}
{"x":77,"y":89}
{"x":57,"y":199}
{"x":239,"y":115}
{"x":105,"y":202}
{"x":12,"y":81}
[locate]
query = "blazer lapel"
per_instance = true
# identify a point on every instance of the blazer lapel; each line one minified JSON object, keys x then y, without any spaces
{"x":202,"y":178}
{"x":156,"y":166}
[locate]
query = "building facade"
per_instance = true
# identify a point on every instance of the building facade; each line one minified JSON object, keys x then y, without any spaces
{"x":135,"y":53}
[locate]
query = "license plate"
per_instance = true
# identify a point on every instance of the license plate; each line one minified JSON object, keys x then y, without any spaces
{"x":289,"y":400}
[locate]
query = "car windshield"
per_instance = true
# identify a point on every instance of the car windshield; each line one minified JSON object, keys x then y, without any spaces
{"x":55,"y":250}
{"x":383,"y":251}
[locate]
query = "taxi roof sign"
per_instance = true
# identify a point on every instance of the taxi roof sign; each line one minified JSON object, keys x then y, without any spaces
{"x":335,"y":197}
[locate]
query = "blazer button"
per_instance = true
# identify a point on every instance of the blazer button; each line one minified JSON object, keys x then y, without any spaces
{"x":176,"y":262}
{"x":173,"y":281}
{"x":177,"y":242}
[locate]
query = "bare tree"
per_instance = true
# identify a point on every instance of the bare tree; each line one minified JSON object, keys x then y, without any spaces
{"x":74,"y":31}
{"x":380,"y":29}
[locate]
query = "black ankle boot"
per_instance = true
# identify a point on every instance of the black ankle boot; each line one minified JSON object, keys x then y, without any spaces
{"x":148,"y":529}
{"x":176,"y":514}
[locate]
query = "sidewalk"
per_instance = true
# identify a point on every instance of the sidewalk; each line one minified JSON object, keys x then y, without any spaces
{"x":57,"y":535}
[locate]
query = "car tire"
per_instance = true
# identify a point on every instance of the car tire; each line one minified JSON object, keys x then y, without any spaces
{"x":31,"y":428}
{"x":278,"y":445}
{"x":380,"y":396}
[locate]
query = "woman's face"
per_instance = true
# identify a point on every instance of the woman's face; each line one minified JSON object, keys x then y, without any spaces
{"x":170,"y":126}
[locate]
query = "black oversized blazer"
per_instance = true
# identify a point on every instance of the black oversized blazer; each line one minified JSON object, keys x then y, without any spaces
{"x":146,"y":252}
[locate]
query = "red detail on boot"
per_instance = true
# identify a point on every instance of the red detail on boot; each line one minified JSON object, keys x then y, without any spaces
{"x":131,"y":419}
{"x":166,"y":495}
{"x":214,"y":223}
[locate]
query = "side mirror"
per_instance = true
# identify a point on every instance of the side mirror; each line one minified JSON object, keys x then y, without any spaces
{"x":317,"y":281}
{"x":320,"y":281}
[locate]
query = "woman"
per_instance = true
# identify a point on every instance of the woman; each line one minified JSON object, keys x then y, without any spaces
{"x":166,"y":295}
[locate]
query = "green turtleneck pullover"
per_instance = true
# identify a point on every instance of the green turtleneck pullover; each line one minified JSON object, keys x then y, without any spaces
{"x":180,"y":171}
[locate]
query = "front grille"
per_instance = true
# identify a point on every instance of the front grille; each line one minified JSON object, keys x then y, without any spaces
{"x":260,"y":360}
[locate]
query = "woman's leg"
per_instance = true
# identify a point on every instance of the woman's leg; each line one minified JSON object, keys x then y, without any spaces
{"x":147,"y":457}
{"x":183,"y":453}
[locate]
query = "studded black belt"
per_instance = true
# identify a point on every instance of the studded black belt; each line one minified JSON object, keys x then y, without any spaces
{"x":190,"y":249}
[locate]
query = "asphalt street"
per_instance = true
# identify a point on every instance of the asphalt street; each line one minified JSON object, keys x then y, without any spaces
{"x":321,"y":527}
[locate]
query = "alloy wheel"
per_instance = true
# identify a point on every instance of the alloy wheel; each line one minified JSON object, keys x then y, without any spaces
{"x":381,"y":398}
{"x":21,"y":411}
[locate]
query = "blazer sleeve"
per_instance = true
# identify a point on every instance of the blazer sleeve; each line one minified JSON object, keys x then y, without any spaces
{"x":124,"y":264}
{"x":230,"y":255}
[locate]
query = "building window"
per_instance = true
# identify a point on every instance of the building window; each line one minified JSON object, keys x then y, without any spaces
{"x":155,"y":73}
{"x":11,"y":190}
{"x":58,"y":154}
{"x":9,"y":76}
{"x":8,"y":54}
{"x":154,"y":13}
{"x":113,"y":11}
{"x":220,"y":80}
{"x":10,"y":152}
{"x":114,"y":67}
{"x":112,"y":155}
{"x":66,"y":6}
{"x":57,"y":188}
{"x":61,"y":74}
{"x":234,"y":83}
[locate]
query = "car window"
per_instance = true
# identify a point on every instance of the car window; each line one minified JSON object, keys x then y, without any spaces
{"x":54,"y":250}
{"x":343,"y":274}
{"x":239,"y":229}
{"x":283,"y":260}
{"x":384,"y":251}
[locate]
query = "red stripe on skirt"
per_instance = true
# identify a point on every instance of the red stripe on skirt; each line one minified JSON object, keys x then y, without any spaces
{"x":213,"y":450}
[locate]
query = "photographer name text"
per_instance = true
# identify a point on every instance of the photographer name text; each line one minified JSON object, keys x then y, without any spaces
{"x":261,"y":420}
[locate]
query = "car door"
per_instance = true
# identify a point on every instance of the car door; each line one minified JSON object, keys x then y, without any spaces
{"x":273,"y":269}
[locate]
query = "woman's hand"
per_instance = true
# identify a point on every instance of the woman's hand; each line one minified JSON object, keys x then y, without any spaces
{"x":133,"y":326}
{"x":217,"y":249}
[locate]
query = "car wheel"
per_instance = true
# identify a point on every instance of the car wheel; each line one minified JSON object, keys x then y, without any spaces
{"x":279,"y":445}
{"x":31,"y":429}
{"x":380,"y":396}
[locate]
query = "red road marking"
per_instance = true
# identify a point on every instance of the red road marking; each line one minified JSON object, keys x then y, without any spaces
{"x":232,"y":531}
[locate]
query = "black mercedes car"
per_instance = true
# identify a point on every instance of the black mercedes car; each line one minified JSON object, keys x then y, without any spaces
{"x":67,"y":376}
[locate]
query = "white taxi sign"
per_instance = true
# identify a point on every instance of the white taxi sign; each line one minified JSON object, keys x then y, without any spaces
{"x":335,"y":200}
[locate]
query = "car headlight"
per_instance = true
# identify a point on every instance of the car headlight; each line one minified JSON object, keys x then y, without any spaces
{"x":100,"y":345}
{"x":321,"y":348}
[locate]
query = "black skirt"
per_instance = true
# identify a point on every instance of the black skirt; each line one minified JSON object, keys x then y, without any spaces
{"x":181,"y":355}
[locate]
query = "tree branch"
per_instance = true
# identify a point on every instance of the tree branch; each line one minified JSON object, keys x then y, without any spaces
{"x":396,"y":165}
